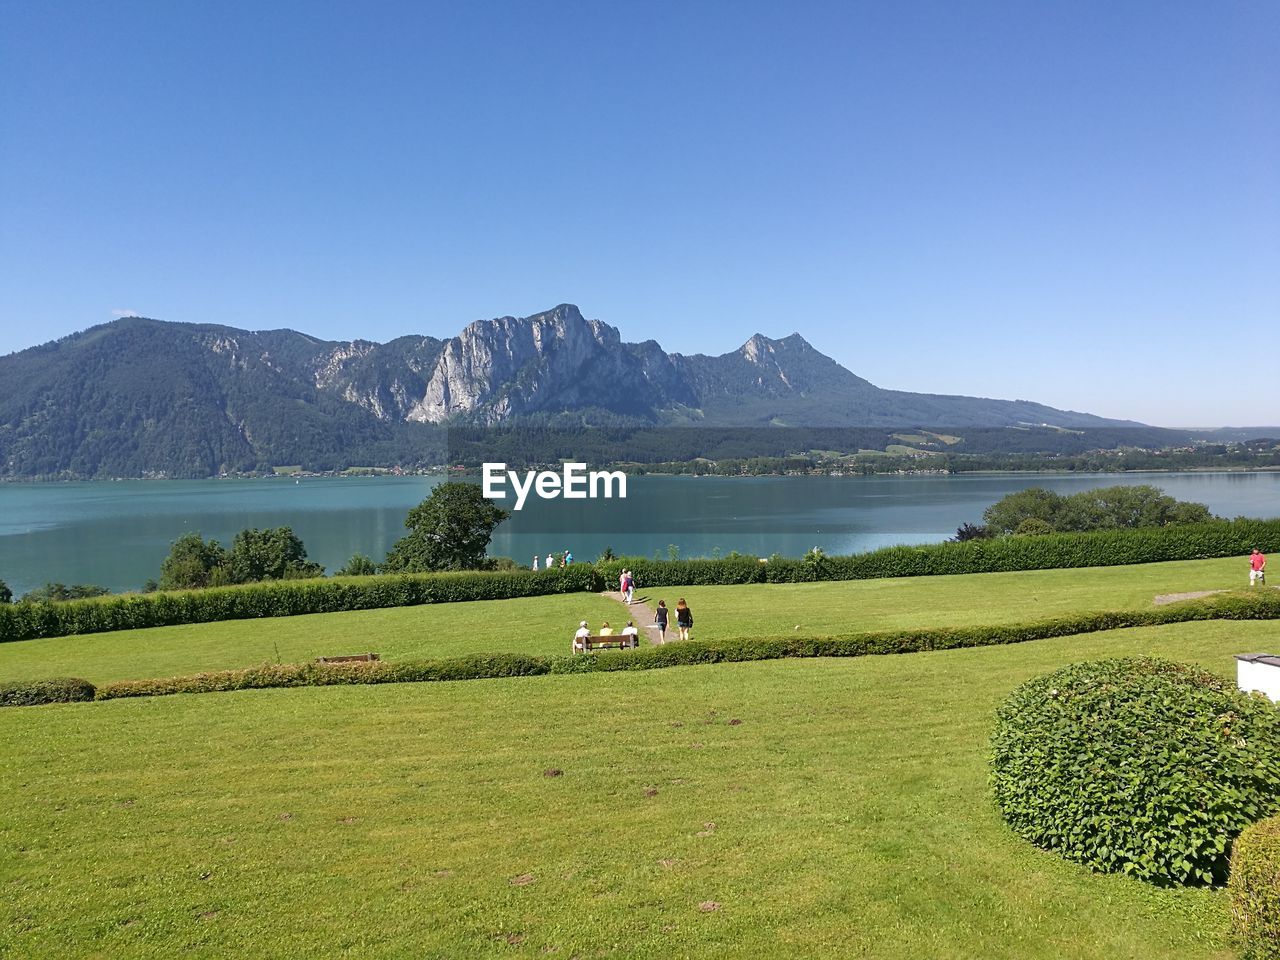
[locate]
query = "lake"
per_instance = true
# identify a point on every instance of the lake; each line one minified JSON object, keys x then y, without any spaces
{"x":116,"y":533}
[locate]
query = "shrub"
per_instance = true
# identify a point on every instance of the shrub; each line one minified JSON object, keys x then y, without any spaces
{"x":29,"y":693}
{"x":1254,"y":889}
{"x":60,"y":592}
{"x":1141,"y":766}
{"x":273,"y":675}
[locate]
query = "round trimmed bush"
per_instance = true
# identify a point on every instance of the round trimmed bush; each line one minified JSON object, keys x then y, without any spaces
{"x":1141,"y":766}
{"x":1254,"y":889}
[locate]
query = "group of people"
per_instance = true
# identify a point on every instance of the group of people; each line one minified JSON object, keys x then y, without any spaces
{"x":552,"y":561}
{"x":684,"y":620}
{"x":580,"y":638}
{"x":684,"y":624}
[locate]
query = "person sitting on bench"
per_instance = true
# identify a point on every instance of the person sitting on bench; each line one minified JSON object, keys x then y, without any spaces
{"x":1257,"y":567}
{"x":580,"y":638}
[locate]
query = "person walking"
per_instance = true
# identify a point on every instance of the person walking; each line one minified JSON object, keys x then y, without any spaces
{"x":684,"y":618}
{"x":661,"y":621}
{"x":551,"y":561}
{"x":1257,"y":568}
{"x":535,"y":561}
{"x":630,"y":587}
{"x":568,"y":558}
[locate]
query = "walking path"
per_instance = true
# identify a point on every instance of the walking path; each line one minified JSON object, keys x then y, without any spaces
{"x":642,"y":612}
{"x":1164,"y":598}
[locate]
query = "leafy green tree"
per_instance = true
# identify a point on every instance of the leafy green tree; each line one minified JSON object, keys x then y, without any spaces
{"x":972,"y":531}
{"x":358,"y":566}
{"x":59,"y":592}
{"x":193,"y":563}
{"x":1032,"y":527}
{"x":1128,"y":506}
{"x":275,"y":554}
{"x":6,"y":595}
{"x":1106,"y":508}
{"x":1005,"y":514}
{"x":450,"y":530}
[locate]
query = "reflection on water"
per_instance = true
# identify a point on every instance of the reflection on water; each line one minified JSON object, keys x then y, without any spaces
{"x":116,"y":533}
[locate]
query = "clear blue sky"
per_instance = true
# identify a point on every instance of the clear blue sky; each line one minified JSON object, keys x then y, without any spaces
{"x":1076,"y":203}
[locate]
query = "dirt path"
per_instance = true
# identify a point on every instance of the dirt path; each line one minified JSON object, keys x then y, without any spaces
{"x":642,"y":611}
{"x":1164,"y":598}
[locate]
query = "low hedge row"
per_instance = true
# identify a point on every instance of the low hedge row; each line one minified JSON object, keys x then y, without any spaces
{"x":1244,"y":606}
{"x":1103,"y":548}
{"x":31,"y":693}
{"x":281,"y":598}
{"x":1254,"y":889}
{"x":272,"y":675}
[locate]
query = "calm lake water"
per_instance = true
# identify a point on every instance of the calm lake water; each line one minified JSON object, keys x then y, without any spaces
{"x":117,"y":533}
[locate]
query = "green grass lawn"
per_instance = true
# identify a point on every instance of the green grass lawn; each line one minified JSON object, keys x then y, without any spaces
{"x":973,"y":599}
{"x":826,"y":808}
{"x":544,"y":625}
{"x":530,"y":625}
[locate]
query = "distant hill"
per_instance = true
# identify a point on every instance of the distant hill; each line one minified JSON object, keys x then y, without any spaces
{"x":141,"y":397}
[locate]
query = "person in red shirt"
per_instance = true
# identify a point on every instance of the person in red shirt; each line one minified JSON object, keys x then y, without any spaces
{"x":1257,"y":568}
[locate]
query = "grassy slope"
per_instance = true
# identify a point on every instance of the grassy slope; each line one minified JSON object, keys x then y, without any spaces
{"x":850,"y":813}
{"x":544,"y":624}
{"x":985,"y":598}
{"x":531,"y":625}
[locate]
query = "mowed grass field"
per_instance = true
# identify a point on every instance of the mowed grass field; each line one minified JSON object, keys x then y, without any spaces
{"x":829,"y":808}
{"x":544,"y":625}
{"x":955,"y":601}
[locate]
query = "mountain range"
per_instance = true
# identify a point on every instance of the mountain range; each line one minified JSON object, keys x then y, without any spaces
{"x":141,"y":397}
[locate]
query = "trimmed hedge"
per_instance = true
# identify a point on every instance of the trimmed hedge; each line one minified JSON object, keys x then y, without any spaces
{"x":1242,"y":606}
{"x":30,"y":693}
{"x":1254,"y":889}
{"x":272,"y":675}
{"x":281,"y":598}
{"x":1140,"y":766}
{"x":1103,"y":548}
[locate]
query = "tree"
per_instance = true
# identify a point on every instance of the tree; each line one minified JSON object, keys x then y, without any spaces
{"x":1104,"y":508}
{"x":972,"y":531}
{"x":1005,"y":514}
{"x":1126,"y":506}
{"x":450,"y":530}
{"x":193,"y":563}
{"x":6,"y":595}
{"x":358,"y":566}
{"x":1032,"y":527}
{"x":275,"y":554}
{"x":60,"y":592}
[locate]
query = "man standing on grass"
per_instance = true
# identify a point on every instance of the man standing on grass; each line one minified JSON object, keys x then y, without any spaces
{"x":1257,"y":568}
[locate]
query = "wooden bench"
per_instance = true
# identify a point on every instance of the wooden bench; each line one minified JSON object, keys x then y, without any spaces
{"x":354,"y":658}
{"x":617,"y":641}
